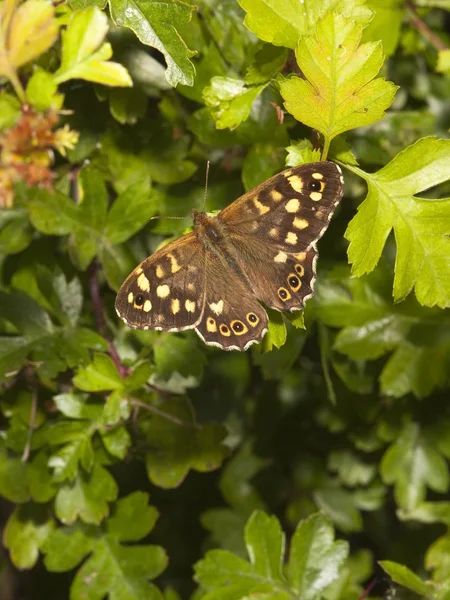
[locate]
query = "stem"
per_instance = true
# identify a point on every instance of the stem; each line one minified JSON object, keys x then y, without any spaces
{"x":326,"y":148}
{"x":423,"y":28}
{"x":31,"y":425}
{"x":18,"y":88}
{"x":162,"y":414}
{"x":96,"y":299}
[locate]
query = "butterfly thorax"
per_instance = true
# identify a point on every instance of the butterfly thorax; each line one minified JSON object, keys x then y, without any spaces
{"x":209,"y":230}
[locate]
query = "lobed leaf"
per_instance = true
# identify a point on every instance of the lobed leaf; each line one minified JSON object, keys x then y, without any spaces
{"x":421,"y":226}
{"x":339,"y":91}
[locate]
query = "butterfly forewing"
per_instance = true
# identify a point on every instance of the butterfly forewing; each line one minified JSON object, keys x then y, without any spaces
{"x":289,"y":211}
{"x":166,"y":291}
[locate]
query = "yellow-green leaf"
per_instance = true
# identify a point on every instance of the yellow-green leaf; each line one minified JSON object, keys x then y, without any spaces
{"x":33,"y":29}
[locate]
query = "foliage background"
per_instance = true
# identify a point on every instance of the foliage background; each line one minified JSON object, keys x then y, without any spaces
{"x":127,"y":458}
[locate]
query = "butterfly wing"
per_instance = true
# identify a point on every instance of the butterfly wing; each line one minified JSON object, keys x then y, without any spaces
{"x":232,"y":318}
{"x":273,"y":231}
{"x":183,"y":286}
{"x":166,"y":291}
{"x":290,"y":211}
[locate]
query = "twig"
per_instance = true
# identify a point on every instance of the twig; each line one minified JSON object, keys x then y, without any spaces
{"x":423,"y":28}
{"x":368,"y":589}
{"x":162,"y":414}
{"x":94,"y":290}
{"x":31,"y":425}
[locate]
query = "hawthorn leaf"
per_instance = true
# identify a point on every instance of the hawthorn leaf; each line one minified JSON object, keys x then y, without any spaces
{"x":85,"y":56}
{"x":111,"y":568}
{"x":42,"y":91}
{"x":421,"y":226}
{"x":265,"y":543}
{"x":178,"y":354}
{"x":120,"y":571}
{"x":100,"y":375}
{"x":283,"y":23}
{"x":25,"y":532}
{"x":33,"y":20}
{"x":315,"y":559}
{"x":86,"y":497}
{"x":132,"y":518}
{"x":155,"y":23}
{"x":13,"y":479}
{"x":405,"y":577}
{"x":230,"y":100}
{"x":276,"y":334}
{"x":9,"y":113}
{"x":78,"y":450}
{"x":178,"y":445}
{"x":339,"y":91}
{"x":437,"y":558}
{"x":412,"y":464}
{"x":66,"y":547}
{"x":131,"y":210}
{"x":315,"y":562}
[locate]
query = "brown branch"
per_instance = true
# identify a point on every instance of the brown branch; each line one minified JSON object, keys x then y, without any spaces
{"x":423,"y":28}
{"x":96,"y":299}
{"x":368,"y":589}
{"x":31,"y":425}
{"x":161,"y":413}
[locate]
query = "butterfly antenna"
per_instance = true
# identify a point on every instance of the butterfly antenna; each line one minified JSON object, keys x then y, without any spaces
{"x":206,"y":184}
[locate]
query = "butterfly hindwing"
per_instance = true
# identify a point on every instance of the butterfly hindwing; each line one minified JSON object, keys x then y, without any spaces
{"x":232,"y":319}
{"x":166,"y":291}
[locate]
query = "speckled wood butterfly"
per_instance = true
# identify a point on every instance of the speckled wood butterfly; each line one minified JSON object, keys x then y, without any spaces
{"x":260,"y":247}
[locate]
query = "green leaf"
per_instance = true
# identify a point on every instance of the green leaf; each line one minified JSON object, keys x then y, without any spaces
{"x":13,"y":481}
{"x":339,"y":91}
{"x":372,"y":326}
{"x":276,"y":334}
{"x":301,"y":152}
{"x":421,"y":226}
{"x":87,"y":497}
{"x":33,"y":20}
{"x":155,"y":23}
{"x":265,"y":543}
{"x":26,"y":531}
{"x":100,"y":375}
{"x":41,"y":90}
{"x":315,"y":561}
{"x":405,"y":577}
{"x":283,"y":23}
{"x":84,"y":56}
{"x":178,"y":354}
{"x":9,"y":110}
{"x":230,"y":100}
{"x":131,"y":210}
{"x":132,"y":518}
{"x":116,"y":408}
{"x":111,"y":568}
{"x":178,"y":445}
{"x":315,"y":558}
{"x":411,"y":463}
{"x":438,"y":558}
{"x":77,"y":450}
{"x":385,"y":24}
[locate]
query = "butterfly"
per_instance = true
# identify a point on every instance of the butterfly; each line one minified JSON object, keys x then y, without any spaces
{"x":262,"y":247}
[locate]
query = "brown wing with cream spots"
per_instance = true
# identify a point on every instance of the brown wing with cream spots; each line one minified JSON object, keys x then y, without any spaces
{"x":166,"y":291}
{"x":232,"y":319}
{"x":284,"y":284}
{"x":290,"y":211}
